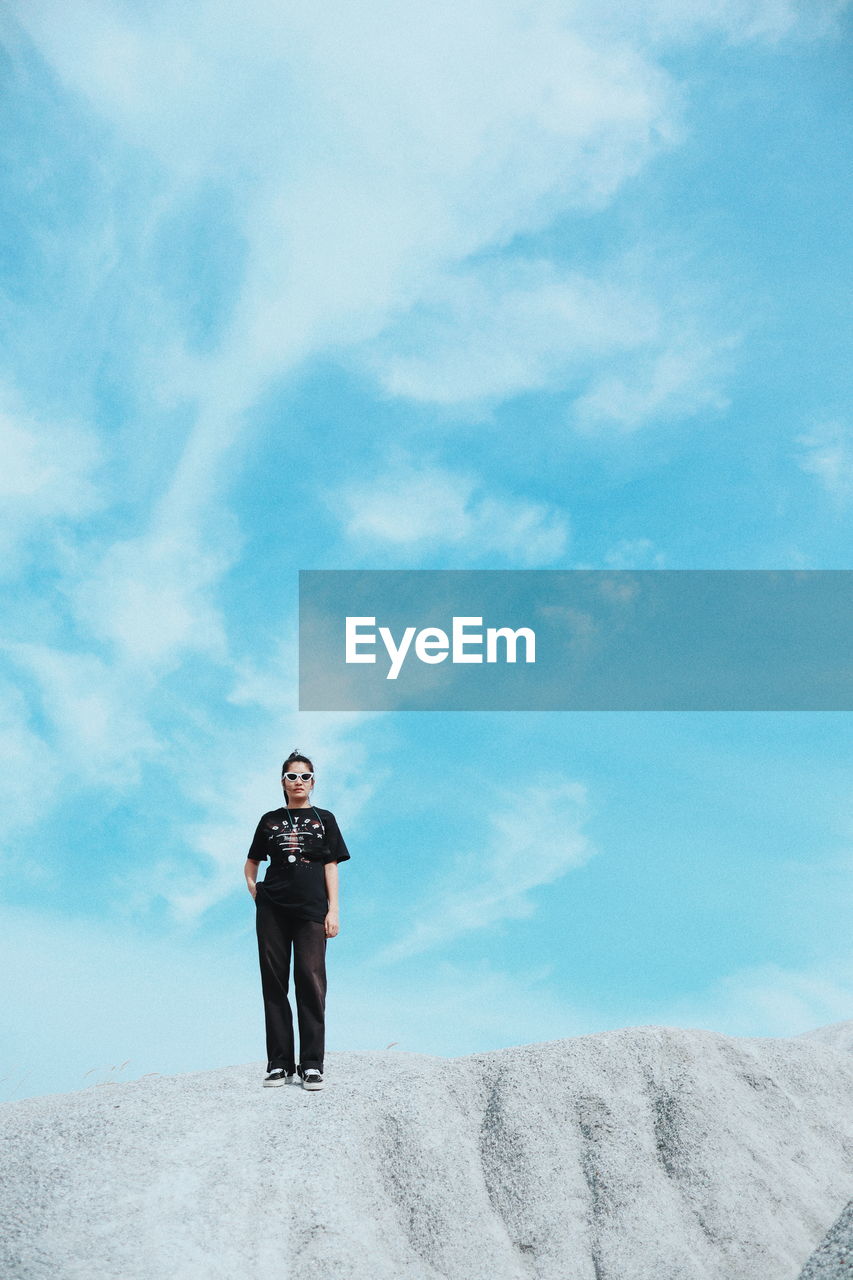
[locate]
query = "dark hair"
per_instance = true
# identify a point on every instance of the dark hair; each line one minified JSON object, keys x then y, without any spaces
{"x":293,"y":757}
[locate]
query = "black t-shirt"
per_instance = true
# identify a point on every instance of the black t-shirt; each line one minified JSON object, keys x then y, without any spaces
{"x":298,"y":843}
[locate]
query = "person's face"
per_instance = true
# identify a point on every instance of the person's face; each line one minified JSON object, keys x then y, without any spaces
{"x":297,"y":792}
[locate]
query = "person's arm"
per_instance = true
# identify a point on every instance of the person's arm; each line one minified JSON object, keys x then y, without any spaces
{"x":332,"y":919}
{"x":250,"y":871}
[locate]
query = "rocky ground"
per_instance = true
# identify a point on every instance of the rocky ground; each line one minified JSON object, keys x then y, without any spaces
{"x":649,"y":1153}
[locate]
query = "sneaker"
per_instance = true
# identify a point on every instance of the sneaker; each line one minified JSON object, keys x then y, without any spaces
{"x":275,"y":1077}
{"x":312,"y":1078}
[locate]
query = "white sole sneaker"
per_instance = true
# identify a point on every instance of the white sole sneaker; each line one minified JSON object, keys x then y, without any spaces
{"x":313,"y":1083}
{"x":276,"y":1081}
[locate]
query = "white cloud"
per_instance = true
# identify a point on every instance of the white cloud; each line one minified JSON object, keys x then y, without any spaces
{"x":416,"y":509}
{"x":501,"y":328}
{"x":740,"y":21}
{"x":46,"y":467}
{"x":47,"y":477}
{"x":368,"y":152}
{"x":369,"y":148}
{"x":522,"y":850}
{"x":149,"y":600}
{"x":30,"y":768}
{"x":99,"y":730}
{"x":498,"y":329}
{"x":678,"y":379}
{"x":151,"y":597}
{"x":634,"y":553}
{"x":827,"y":453}
{"x":766,"y":1000}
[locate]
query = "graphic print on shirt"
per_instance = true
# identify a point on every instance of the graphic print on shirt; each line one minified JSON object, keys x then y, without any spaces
{"x":297,"y":844}
{"x":294,"y":838}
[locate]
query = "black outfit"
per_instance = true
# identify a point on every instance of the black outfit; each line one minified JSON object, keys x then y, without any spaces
{"x":291,"y":912}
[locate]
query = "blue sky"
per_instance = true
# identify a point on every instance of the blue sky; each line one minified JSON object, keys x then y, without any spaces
{"x":498,"y":285}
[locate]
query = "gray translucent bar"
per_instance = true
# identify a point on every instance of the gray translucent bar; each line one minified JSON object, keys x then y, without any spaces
{"x":654,"y":640}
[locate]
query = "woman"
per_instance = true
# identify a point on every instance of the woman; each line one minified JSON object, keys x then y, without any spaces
{"x":297,"y":910}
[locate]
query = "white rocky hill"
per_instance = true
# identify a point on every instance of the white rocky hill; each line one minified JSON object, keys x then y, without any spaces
{"x":838,"y":1035}
{"x":650,"y":1153}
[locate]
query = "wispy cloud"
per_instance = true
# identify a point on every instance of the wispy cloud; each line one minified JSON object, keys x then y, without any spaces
{"x":826,"y":452}
{"x":740,"y":21}
{"x":48,"y":478}
{"x":210,"y":199}
{"x":361,"y":158}
{"x":634,"y":553}
{"x":523,"y":849}
{"x":676,"y":379}
{"x":767,"y":999}
{"x":373,"y":171}
{"x":501,"y":328}
{"x":620,"y":344}
{"x":94,"y":713}
{"x":30,"y":768}
{"x":358,"y":156}
{"x":414,"y":510}
{"x":150,"y":598}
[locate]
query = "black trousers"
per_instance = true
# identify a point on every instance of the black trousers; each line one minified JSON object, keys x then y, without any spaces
{"x":279,"y":935}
